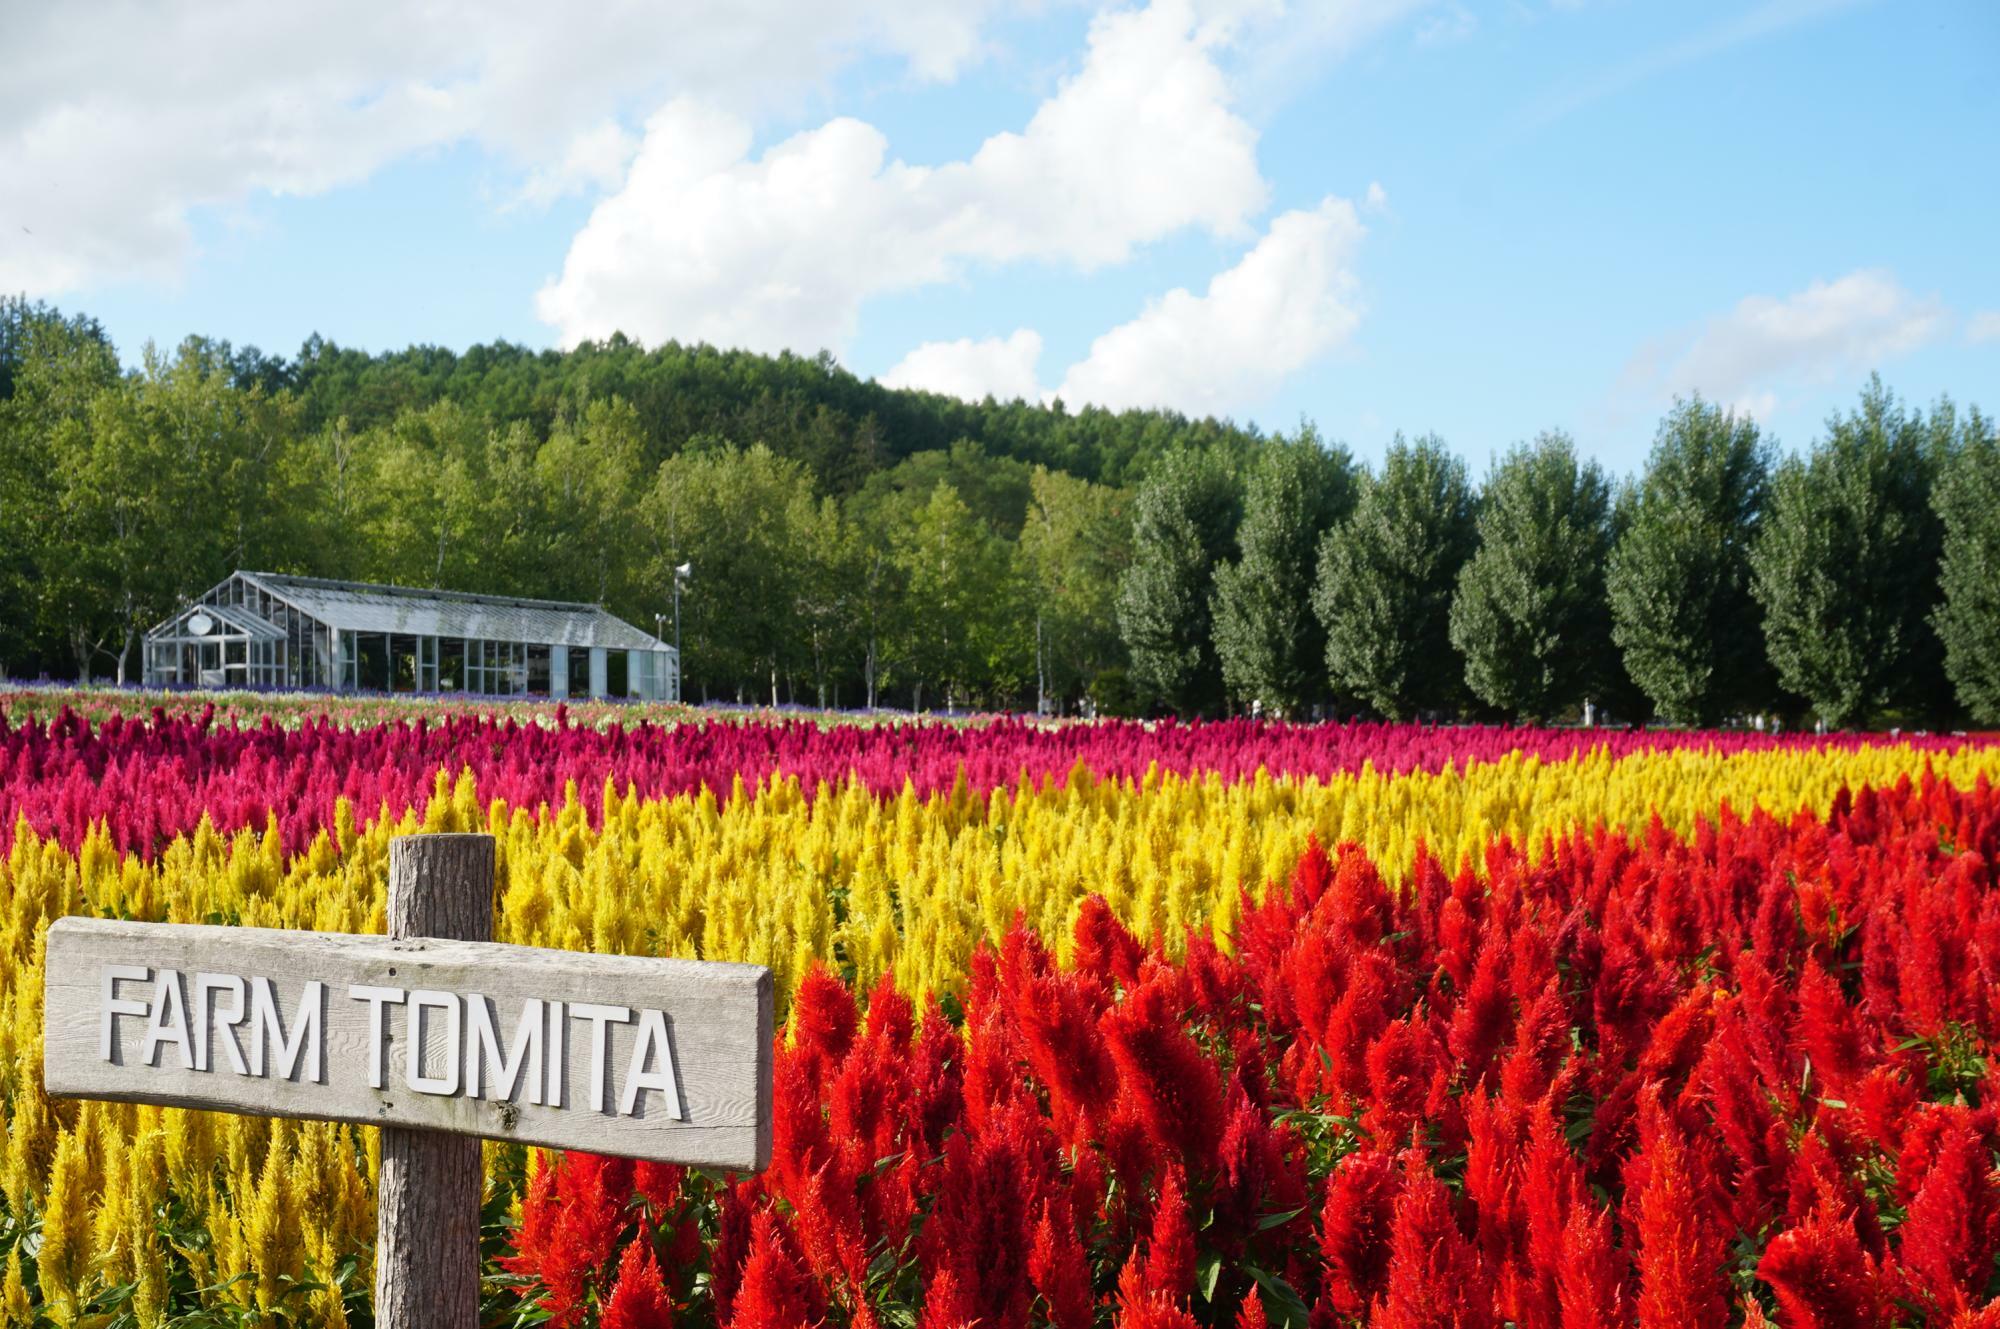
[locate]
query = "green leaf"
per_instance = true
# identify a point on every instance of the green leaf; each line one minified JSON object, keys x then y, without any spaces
{"x":1269,"y":1221}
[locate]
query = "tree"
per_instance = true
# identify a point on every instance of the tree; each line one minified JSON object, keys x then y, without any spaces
{"x":1270,"y":644}
{"x":1387,"y":575}
{"x":426,"y":517}
{"x":960,"y":624}
{"x":1076,"y":544}
{"x":1530,"y":616}
{"x":586,"y":482}
{"x":1183,"y":522}
{"x":1846,"y":566}
{"x":53,"y":371}
{"x":1679,"y":577}
{"x":1967,"y":500}
{"x":826,"y":592}
{"x":732,"y":513}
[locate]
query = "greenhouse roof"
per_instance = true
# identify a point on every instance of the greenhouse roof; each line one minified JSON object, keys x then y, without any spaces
{"x":354,"y":606}
{"x":232,"y":621}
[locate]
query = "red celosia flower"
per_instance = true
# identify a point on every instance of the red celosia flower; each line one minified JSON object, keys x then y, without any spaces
{"x":823,"y":1022}
{"x":1680,"y":1255}
{"x":1056,"y":1016}
{"x":1436,"y":1279}
{"x":571,"y":1220}
{"x":1948,"y":1239}
{"x":1822,"y":1277}
{"x":1104,"y":946}
{"x":981,"y":1227}
{"x":1828,"y":1029}
{"x":947,"y":1305}
{"x":774,"y":1292}
{"x":1541,"y":1041}
{"x":1404,"y":1066}
{"x":1169,"y":1084}
{"x":1169,"y":1269}
{"x":1484,"y":1013}
{"x":733,"y":1229}
{"x":659,"y":1183}
{"x":639,"y":1299}
{"x":1059,"y":1267}
{"x":1355,"y":1228}
{"x":1154,"y":1313}
{"x":1591,"y":1282}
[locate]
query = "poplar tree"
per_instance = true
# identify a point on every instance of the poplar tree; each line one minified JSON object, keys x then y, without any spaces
{"x":1183,"y":524}
{"x":1075,"y":544}
{"x":1530,"y":615}
{"x":1846,"y":567}
{"x":1386,"y":579}
{"x":1679,"y":578}
{"x":1268,"y":641}
{"x":1967,"y":500}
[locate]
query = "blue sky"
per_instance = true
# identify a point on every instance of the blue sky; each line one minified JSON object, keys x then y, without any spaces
{"x":1479,"y":219}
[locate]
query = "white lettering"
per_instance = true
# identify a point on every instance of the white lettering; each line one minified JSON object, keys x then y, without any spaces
{"x":456,"y":1042}
{"x":209,"y":1013}
{"x":558,"y":1062}
{"x":115,"y":1005}
{"x":169,"y":1023}
{"x":267,"y":1030}
{"x":482,"y":1049}
{"x":601,"y":1019}
{"x":378,"y":999}
{"x":652,"y":1039}
{"x":446,"y":1084}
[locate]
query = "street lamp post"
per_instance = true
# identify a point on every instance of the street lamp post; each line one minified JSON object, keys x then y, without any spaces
{"x":681,"y":574}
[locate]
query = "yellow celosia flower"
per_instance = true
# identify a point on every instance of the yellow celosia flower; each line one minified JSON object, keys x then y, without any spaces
{"x":906,"y":885}
{"x":63,"y":1262}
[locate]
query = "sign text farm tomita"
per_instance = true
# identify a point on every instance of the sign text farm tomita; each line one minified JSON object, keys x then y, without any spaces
{"x":661,"y":1059}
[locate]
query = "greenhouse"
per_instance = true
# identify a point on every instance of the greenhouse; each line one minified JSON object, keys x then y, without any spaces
{"x":264,"y":630}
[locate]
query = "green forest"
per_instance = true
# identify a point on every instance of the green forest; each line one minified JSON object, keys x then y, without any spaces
{"x":854,"y":545}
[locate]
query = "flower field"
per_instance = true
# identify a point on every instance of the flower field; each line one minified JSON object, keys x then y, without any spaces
{"x":1226,"y":1024}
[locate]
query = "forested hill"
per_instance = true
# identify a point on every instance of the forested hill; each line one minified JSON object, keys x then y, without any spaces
{"x":843,"y":427}
{"x":507,"y":469}
{"x":853,"y":544}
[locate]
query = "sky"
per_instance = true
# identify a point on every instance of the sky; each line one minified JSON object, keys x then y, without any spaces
{"x":1478,"y":219}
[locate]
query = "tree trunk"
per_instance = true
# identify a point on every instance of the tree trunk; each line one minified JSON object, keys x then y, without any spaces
{"x":427,"y":1241}
{"x":1041,"y":671}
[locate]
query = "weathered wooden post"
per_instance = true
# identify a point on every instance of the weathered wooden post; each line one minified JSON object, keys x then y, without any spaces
{"x":427,"y":1206}
{"x":434,"y":1034}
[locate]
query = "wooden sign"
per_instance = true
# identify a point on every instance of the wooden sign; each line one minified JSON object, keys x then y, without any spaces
{"x":433,"y":1033}
{"x":658,"y":1059}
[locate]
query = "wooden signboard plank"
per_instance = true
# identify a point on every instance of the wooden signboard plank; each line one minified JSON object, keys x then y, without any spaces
{"x":660,"y":1059}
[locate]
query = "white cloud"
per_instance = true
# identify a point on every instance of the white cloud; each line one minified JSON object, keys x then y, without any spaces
{"x":704,"y":242}
{"x":595,"y":159}
{"x":1377,"y":199}
{"x":1001,"y":368}
{"x":1742,"y":358}
{"x":1288,"y":302}
{"x":118,"y":119}
{"x":1983,"y":326}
